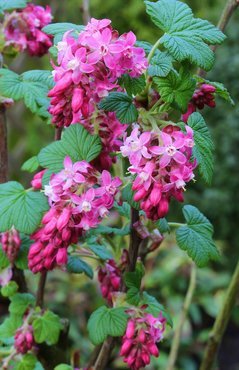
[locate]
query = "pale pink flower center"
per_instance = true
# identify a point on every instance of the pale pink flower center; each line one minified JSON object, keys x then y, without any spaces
{"x":170,"y":150}
{"x":86,"y":206}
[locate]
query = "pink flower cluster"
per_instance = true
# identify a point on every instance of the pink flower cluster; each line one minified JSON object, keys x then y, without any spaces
{"x":23,"y":29}
{"x":88,"y":68}
{"x":203,"y":95}
{"x":110,"y":278}
{"x":11,"y":243}
{"x":162,"y":165}
{"x":139,"y":342}
{"x":23,"y":339}
{"x":79,"y":197}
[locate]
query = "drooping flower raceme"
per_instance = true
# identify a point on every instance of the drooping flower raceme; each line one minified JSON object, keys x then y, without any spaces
{"x":88,"y":69}
{"x":139,"y":342}
{"x":110,"y":279}
{"x":11,"y":243}
{"x":80,"y":197}
{"x":23,"y":339}
{"x":162,"y":165}
{"x":23,"y":29}
{"x":203,"y":95}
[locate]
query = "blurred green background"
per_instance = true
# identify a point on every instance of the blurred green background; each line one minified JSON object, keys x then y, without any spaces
{"x":167,"y":271}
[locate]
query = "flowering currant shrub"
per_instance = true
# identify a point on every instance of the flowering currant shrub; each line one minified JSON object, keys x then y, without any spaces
{"x":129,"y":138}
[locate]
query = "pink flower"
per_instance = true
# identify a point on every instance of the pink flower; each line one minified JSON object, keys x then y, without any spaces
{"x":170,"y":150}
{"x":203,"y":95}
{"x":11,"y":243}
{"x":139,"y":342}
{"x":36,"y":182}
{"x":135,"y":146}
{"x":80,"y":198}
{"x":110,"y":280}
{"x":23,"y":339}
{"x":22,"y":29}
{"x":162,"y":164}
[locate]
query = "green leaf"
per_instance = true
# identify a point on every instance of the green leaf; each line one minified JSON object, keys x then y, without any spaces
{"x":100,"y":251}
{"x":37,"y":75}
{"x":27,"y":362}
{"x":12,"y":4}
{"x":76,"y":142}
{"x":10,"y":289}
{"x":56,"y":28}
{"x":107,"y":321}
{"x":186,"y":37}
{"x":124,"y":209}
{"x":47,"y":176}
{"x":160,"y":65}
{"x":77,"y":266}
{"x":46,"y":328}
{"x":26,"y":86}
{"x":22,"y":257}
{"x":163,"y":225}
{"x":31,"y":165}
{"x":122,"y":105}
{"x":176,"y":88}
{"x":4,"y":261}
{"x":154,"y":308}
{"x":9,"y":326}
{"x":145,"y":45}
{"x":20,"y":302}
{"x":101,"y":229}
{"x":128,"y":196}
{"x":59,"y":29}
{"x":133,"y":86}
{"x":133,"y":279}
{"x":63,"y":367}
{"x":20,"y":208}
{"x":196,"y":237}
{"x":38,"y":366}
{"x":204,"y":147}
{"x":133,"y":296}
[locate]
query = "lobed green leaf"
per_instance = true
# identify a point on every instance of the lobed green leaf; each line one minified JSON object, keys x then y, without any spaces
{"x":76,"y":143}
{"x":122,"y":105}
{"x":20,"y":208}
{"x":196,"y":237}
{"x":107,"y":321}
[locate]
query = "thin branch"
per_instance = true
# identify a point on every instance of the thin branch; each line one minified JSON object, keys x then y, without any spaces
{"x":18,"y":275}
{"x":85,"y":9}
{"x":41,"y":289}
{"x":3,"y":146}
{"x":230,"y":7}
{"x":221,"y":322}
{"x":108,"y":345}
{"x":3,"y":139}
{"x":178,"y":332}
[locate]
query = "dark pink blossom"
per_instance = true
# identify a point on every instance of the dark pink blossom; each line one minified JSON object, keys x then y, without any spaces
{"x":11,"y":243}
{"x":23,"y":29}
{"x":139,"y":342}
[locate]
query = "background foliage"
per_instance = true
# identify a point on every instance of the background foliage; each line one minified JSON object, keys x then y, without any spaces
{"x":167,"y":271}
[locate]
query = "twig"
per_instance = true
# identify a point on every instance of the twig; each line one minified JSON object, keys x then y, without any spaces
{"x":3,"y":146}
{"x":85,"y":8}
{"x":221,"y":322}
{"x":226,"y":15}
{"x":177,"y":335}
{"x":3,"y":140}
{"x":41,"y":288}
{"x":108,"y":345}
{"x":18,"y":275}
